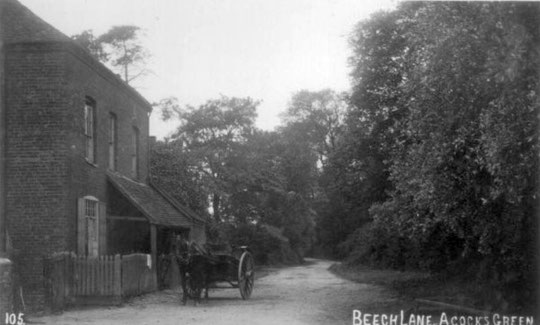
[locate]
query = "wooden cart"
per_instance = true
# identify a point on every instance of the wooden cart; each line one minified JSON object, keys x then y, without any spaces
{"x":235,"y":267}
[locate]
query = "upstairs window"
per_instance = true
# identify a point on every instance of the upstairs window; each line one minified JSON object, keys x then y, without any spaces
{"x":135,"y":153}
{"x":89,"y":129}
{"x":112,"y":141}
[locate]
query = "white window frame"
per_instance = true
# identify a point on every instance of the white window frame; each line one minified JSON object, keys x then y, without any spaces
{"x":91,"y":216}
{"x":113,"y":140}
{"x":89,"y":130}
{"x":135,"y":142}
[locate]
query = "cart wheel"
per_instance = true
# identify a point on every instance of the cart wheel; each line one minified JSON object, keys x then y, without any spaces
{"x":246,"y":275}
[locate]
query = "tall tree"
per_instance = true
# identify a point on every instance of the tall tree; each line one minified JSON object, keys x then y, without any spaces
{"x":120,"y":47}
{"x":125,"y":51}
{"x":356,"y":175}
{"x":317,"y":116}
{"x":170,"y":169}
{"x":455,"y":99}
{"x":89,"y":42}
{"x":212,"y":135}
{"x":251,"y":177}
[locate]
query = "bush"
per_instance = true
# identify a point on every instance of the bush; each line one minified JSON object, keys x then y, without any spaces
{"x":378,"y":246}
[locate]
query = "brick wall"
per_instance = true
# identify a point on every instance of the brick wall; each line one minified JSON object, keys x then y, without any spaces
{"x":84,"y":79}
{"x":35,"y":162}
{"x":46,"y":87}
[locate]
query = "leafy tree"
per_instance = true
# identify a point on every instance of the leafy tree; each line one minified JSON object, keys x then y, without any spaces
{"x":250,"y":176}
{"x":120,"y":47}
{"x":211,"y":136}
{"x":446,"y":92}
{"x":312,"y":128}
{"x":356,"y":173}
{"x":170,"y":169}
{"x":169,"y":108}
{"x":317,"y":116}
{"x":89,"y":42}
{"x":125,"y":51}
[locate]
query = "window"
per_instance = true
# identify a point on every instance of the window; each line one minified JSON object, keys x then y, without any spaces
{"x":91,"y":226}
{"x":112,"y":141}
{"x":89,"y":129}
{"x":135,"y":153}
{"x":92,"y":231}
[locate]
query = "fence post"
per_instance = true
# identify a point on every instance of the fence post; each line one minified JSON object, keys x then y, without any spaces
{"x":47,"y":275}
{"x":117,"y":275}
{"x":71,"y":276}
{"x":110,"y":275}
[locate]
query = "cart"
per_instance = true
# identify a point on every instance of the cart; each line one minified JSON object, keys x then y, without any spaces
{"x":213,"y":266}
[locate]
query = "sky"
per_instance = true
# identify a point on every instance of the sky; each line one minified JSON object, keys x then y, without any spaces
{"x":201,"y":49}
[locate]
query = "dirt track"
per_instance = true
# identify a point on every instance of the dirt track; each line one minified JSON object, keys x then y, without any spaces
{"x":307,"y":294}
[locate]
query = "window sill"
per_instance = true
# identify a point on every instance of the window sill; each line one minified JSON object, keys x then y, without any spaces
{"x":90,"y":163}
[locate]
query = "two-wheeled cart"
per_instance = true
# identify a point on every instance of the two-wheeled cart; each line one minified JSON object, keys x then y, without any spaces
{"x":235,"y":267}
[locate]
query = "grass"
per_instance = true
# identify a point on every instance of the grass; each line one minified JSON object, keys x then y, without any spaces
{"x":369,"y":275}
{"x":440,"y":288}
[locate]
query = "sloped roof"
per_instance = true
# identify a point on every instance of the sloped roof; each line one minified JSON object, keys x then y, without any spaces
{"x":20,"y":25}
{"x":149,"y":202}
{"x":179,"y":206}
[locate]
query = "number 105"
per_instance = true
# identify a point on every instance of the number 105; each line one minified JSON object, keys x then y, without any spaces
{"x":14,"y":319}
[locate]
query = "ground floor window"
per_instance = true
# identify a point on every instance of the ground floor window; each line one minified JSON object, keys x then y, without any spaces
{"x":91,"y":227}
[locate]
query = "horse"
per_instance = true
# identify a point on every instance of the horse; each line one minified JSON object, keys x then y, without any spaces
{"x":194,"y":270}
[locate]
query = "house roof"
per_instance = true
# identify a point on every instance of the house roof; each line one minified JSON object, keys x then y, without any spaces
{"x":19,"y":25}
{"x":154,"y":206}
{"x":182,"y":208}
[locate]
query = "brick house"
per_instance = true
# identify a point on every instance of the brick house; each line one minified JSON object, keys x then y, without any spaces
{"x":74,"y":149}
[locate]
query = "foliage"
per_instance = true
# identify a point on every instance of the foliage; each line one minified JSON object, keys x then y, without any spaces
{"x":312,"y":128}
{"x":212,"y":137}
{"x":431,"y":162}
{"x":316,"y":116}
{"x":125,"y":51}
{"x":250,"y":177}
{"x":120,"y":47}
{"x":167,"y":167}
{"x":445,"y":104}
{"x":89,"y":42}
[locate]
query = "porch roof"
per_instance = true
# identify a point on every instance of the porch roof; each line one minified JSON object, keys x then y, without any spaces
{"x":154,"y":206}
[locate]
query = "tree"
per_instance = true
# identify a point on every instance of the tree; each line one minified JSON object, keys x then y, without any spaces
{"x":89,"y":42}
{"x":318,"y":118}
{"x":453,"y":112}
{"x":356,"y":174}
{"x":284,"y":178}
{"x":211,"y":135}
{"x":251,"y":177}
{"x":120,"y":47}
{"x":171,"y":171}
{"x":125,"y":51}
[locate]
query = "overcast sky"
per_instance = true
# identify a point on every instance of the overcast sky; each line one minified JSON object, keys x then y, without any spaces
{"x":264,"y":49}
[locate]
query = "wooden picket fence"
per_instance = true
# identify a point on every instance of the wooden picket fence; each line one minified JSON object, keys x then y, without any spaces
{"x":103,"y":280}
{"x":97,"y":276}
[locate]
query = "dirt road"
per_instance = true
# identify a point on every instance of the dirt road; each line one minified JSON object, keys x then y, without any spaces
{"x":307,"y":294}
